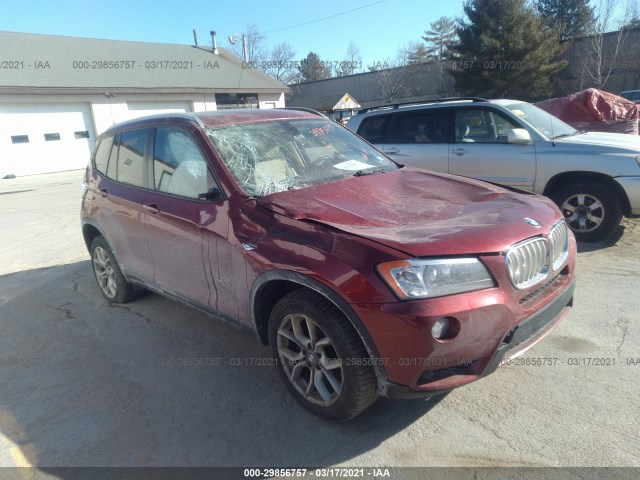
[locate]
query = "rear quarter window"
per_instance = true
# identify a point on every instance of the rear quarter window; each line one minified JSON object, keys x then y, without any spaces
{"x":102,"y":154}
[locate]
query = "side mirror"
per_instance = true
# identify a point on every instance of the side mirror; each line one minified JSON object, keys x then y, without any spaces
{"x":213,"y":194}
{"x":519,"y":136}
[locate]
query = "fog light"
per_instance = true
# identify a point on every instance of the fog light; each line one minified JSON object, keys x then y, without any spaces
{"x":440,"y":328}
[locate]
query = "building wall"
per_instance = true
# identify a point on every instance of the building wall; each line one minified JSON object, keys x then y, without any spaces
{"x":427,"y":81}
{"x":271,"y":100}
{"x":68,"y":115}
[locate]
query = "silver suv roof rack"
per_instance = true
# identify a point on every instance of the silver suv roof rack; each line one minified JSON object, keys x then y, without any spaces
{"x":422,"y":102}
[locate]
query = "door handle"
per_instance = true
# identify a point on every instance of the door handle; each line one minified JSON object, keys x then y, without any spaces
{"x":103,"y":192}
{"x":459,"y":151}
{"x":151,"y":208}
{"x":392,"y":150}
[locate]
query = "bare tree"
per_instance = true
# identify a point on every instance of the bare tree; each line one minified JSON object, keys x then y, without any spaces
{"x":254,"y":43}
{"x":396,"y":77}
{"x":602,"y":48}
{"x":351,"y":63}
{"x":280,"y":63}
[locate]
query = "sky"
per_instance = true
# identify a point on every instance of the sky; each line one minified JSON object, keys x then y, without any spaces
{"x":377,"y":27}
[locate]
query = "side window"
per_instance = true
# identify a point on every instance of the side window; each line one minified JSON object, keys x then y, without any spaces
{"x":481,"y":125}
{"x":503,"y":125}
{"x":102,"y":154}
{"x":179,"y":167}
{"x":131,"y":168}
{"x":374,"y":129}
{"x":112,"y":169}
{"x":425,"y":127}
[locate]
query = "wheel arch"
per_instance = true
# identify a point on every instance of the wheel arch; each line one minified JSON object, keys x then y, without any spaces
{"x":90,"y":231}
{"x":563,"y":179}
{"x":271,"y":286}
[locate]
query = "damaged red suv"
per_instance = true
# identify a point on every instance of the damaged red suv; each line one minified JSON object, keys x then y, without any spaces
{"x":366,"y":278}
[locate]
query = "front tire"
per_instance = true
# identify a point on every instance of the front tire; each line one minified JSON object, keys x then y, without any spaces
{"x":320,"y":356}
{"x":114,"y":287}
{"x":592,"y":210}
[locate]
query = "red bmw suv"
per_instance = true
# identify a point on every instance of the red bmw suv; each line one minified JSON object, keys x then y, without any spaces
{"x":366,"y":278}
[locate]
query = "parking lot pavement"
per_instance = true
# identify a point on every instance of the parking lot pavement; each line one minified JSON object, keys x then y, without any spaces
{"x":154,"y":383}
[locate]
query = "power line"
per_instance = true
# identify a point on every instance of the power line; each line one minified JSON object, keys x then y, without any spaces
{"x":324,"y":18}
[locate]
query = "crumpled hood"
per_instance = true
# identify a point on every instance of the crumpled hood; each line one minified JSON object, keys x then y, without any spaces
{"x":604,"y":139}
{"x":420,"y":213}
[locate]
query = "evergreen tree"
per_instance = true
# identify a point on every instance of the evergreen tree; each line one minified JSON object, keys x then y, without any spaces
{"x":438,"y":39}
{"x":503,"y":51}
{"x":569,"y":18}
{"x":312,"y":68}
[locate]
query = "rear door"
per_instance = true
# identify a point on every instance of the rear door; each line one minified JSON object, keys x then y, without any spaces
{"x":480,"y":148}
{"x":420,"y":139}
{"x":374,"y":130}
{"x":119,"y":196}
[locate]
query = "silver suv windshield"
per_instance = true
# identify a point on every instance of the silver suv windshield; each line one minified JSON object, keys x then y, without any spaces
{"x":273,"y":156}
{"x":545,"y":123}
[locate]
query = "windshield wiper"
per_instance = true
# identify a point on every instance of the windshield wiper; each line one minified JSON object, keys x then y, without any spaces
{"x":362,"y":173}
{"x":577,"y":132}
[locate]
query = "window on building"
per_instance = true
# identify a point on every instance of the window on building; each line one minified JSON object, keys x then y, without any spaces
{"x":20,"y":139}
{"x":226,"y":101}
{"x":51,"y":137}
{"x":81,"y":134}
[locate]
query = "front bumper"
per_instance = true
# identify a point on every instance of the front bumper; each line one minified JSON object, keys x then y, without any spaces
{"x":518,"y":340}
{"x":492,"y":325}
{"x":631,"y":186}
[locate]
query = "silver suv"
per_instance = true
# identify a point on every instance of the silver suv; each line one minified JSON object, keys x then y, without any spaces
{"x":593,"y":177}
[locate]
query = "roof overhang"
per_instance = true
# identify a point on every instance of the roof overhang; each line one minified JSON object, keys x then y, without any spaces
{"x":120,"y":90}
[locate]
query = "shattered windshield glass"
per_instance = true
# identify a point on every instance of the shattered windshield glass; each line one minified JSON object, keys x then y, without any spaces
{"x":273,"y":156}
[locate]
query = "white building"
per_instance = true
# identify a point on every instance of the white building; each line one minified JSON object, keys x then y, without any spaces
{"x":58,"y":93}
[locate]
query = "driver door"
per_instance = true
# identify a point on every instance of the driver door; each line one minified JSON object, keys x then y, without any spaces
{"x":480,"y":149}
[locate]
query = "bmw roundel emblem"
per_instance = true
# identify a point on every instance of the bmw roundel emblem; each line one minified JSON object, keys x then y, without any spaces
{"x":532,"y":222}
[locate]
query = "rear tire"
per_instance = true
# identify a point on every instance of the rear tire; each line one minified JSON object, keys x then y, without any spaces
{"x":321,"y":357}
{"x":592,"y":210}
{"x":114,"y":287}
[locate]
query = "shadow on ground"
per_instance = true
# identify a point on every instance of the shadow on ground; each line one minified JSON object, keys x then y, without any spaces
{"x":612,"y":239}
{"x":84,"y":383}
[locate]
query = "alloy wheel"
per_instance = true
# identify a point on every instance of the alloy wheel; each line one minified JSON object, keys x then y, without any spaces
{"x":310,"y":360}
{"x":583,"y":212}
{"x":105,"y":273}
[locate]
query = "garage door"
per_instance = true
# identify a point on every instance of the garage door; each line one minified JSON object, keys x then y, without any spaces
{"x":45,"y":137}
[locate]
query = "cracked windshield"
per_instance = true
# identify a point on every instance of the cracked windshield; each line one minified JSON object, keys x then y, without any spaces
{"x":270,"y":157}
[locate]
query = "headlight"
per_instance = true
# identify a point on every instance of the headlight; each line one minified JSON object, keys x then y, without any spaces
{"x":413,"y":279}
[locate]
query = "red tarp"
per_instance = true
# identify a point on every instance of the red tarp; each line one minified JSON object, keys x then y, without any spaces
{"x":595,"y":111}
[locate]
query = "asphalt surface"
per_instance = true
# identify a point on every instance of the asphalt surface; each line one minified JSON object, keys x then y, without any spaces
{"x":84,"y":383}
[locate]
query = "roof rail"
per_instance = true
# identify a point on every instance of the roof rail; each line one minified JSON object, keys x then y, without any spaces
{"x":302,"y":109}
{"x":191,"y":116}
{"x":423,"y":102}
